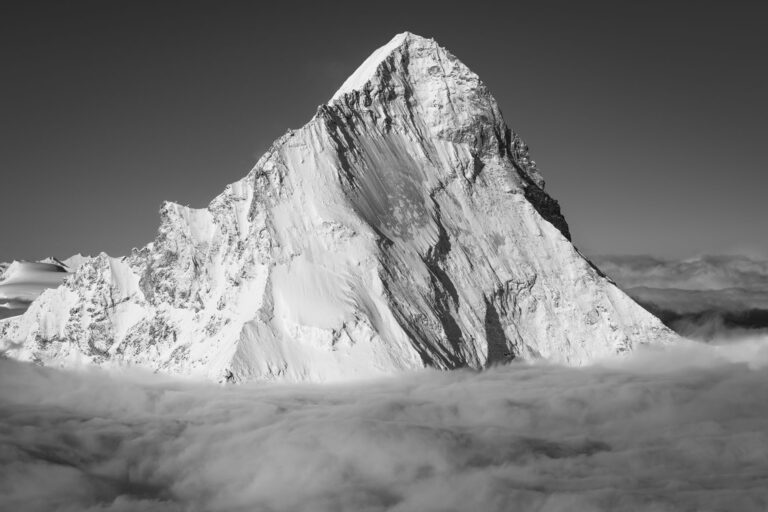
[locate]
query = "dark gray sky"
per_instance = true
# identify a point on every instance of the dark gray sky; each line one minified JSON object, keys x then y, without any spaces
{"x":648,"y":121}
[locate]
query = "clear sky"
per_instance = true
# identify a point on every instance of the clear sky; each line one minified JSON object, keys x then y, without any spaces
{"x":648,"y":120}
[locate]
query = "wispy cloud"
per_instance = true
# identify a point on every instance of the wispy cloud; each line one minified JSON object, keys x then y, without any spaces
{"x":684,"y":428}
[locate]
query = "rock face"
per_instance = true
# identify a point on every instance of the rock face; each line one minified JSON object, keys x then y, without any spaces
{"x":404,"y":226}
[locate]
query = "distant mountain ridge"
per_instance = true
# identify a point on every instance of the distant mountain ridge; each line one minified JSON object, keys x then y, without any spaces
{"x":405,"y":225}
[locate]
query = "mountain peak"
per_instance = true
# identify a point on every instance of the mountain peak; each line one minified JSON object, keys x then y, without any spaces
{"x":403,"y":226}
{"x":413,"y":80}
{"x":369,"y":68}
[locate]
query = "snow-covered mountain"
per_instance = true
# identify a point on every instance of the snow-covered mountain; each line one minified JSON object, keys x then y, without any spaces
{"x":21,"y":282}
{"x":403,"y":226}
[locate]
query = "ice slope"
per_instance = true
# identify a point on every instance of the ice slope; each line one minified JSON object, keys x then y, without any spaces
{"x":403,"y":226}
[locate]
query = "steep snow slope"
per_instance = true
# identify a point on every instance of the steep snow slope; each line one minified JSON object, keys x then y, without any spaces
{"x":405,"y":225}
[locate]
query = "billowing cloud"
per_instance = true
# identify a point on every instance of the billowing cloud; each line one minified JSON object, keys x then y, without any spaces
{"x":683,"y":428}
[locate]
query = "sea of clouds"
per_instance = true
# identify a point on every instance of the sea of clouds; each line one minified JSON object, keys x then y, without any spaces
{"x":678,"y":428}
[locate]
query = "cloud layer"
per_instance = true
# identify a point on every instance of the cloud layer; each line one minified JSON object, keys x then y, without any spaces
{"x":704,"y":298}
{"x":677,"y":429}
{"x":703,"y":273}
